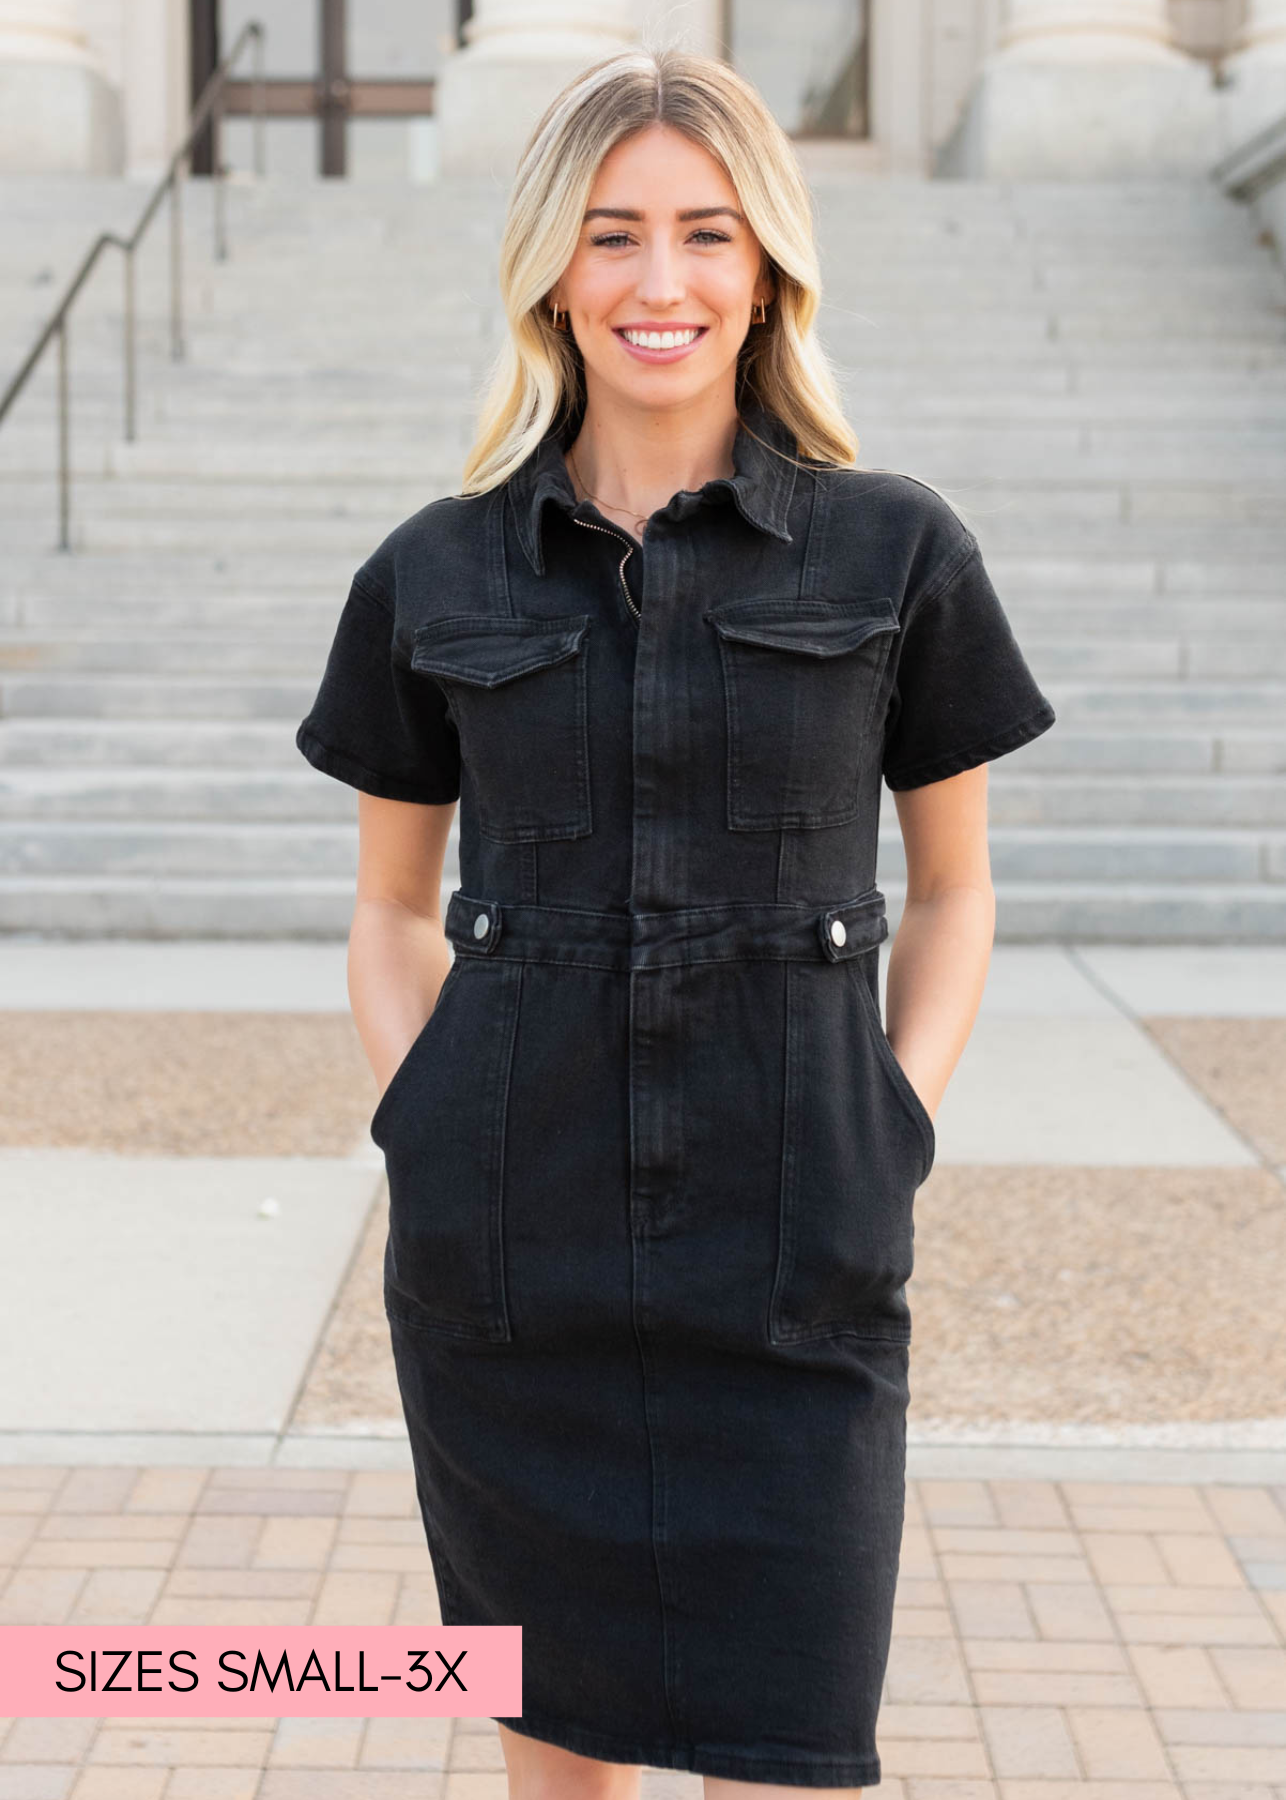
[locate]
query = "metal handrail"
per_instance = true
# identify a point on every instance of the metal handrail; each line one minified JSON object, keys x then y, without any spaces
{"x":1256,"y":163}
{"x":209,"y":103}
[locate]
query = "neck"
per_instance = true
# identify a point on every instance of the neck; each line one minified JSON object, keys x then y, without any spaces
{"x":635,"y":461}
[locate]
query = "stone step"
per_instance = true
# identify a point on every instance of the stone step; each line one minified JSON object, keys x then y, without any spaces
{"x":259,"y":338}
{"x":1160,"y":541}
{"x":1059,"y":911}
{"x":883,"y":325}
{"x":218,"y":744}
{"x":1047,"y":382}
{"x":1100,"y":481}
{"x":1074,"y":852}
{"x":1094,"y":373}
{"x":1061,"y":648}
{"x":1102,"y":597}
{"x":1037,"y":501}
{"x":1053,"y":392}
{"x":1125,"y":376}
{"x":1032,"y":797}
{"x":1091,"y":299}
{"x":1259,"y":702}
{"x":1152,"y":703}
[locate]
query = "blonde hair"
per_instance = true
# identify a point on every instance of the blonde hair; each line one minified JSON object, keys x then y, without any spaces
{"x":536,"y":380}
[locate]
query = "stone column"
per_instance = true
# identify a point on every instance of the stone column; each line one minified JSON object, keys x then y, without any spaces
{"x":1264,"y":36}
{"x":1083,"y":30}
{"x":1255,"y":72}
{"x":58,"y":112}
{"x":1087,"y":89}
{"x":518,"y":54}
{"x":156,"y":78}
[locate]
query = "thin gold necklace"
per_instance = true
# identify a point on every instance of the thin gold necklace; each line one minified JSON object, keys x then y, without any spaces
{"x":640,"y":525}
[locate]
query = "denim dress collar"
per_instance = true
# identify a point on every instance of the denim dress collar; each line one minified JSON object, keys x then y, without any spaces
{"x":761,"y":486}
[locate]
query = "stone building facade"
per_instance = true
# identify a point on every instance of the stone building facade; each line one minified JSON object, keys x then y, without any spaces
{"x":1043,"y":88}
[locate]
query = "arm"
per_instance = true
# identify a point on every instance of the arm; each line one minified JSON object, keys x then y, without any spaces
{"x":398,"y":954}
{"x":939,"y":957}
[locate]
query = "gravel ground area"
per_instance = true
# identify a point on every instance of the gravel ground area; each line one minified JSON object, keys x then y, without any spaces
{"x":1103,"y":1296}
{"x":351,"y":1385}
{"x":184,"y":1083}
{"x":1077,"y":1296}
{"x":1240,"y":1067}
{"x":1084,"y":1294}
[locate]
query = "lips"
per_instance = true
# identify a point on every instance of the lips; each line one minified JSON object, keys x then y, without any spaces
{"x":661,"y":355}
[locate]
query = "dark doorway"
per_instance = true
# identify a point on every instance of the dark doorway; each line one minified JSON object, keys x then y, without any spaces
{"x":203,"y":36}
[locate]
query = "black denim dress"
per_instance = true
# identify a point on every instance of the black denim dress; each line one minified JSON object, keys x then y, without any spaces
{"x":651,"y":1161}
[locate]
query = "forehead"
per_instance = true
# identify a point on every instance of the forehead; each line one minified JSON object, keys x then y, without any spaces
{"x":659,"y":154}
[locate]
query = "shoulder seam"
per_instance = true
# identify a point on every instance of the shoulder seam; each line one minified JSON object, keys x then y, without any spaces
{"x":948,"y":573}
{"x":372,"y":589}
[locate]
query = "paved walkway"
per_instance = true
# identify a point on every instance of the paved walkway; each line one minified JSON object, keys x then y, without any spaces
{"x":1093,"y":1583}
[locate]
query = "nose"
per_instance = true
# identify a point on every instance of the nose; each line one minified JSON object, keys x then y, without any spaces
{"x":659,"y":283}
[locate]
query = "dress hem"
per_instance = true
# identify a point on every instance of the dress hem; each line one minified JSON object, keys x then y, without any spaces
{"x":697,"y":1759}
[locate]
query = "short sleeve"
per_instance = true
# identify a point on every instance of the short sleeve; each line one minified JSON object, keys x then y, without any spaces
{"x":374,"y":723}
{"x":962,"y":692}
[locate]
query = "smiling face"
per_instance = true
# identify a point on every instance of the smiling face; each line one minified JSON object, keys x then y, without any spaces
{"x":665,"y":248}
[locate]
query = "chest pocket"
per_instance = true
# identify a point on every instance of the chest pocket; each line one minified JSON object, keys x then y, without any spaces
{"x":800,"y":679}
{"x":517,"y":691}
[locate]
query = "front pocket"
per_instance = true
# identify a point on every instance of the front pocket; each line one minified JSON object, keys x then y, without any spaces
{"x":851,"y":1158}
{"x":388,"y":1099}
{"x":517,"y":689}
{"x":441,"y":1125}
{"x":800,"y":680}
{"x":901,"y":1081}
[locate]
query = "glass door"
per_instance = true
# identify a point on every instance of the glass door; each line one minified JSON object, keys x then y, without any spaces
{"x":349,"y":89}
{"x":810,"y":61}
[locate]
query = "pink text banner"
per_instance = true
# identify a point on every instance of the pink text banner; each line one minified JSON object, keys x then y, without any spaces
{"x":248,"y":1671}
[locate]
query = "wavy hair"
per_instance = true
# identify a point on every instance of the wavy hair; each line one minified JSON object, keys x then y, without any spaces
{"x":537,"y":379}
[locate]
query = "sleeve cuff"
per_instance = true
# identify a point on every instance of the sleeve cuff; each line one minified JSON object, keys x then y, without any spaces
{"x":371,"y":781}
{"x":955,"y":762}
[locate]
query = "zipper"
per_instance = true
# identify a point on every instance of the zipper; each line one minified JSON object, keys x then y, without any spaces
{"x":629,"y":551}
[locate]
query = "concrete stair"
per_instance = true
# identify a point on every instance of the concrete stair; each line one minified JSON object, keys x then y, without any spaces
{"x":1094,"y":372}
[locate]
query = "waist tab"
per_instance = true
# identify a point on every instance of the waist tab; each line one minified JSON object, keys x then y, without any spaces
{"x":728,"y":932}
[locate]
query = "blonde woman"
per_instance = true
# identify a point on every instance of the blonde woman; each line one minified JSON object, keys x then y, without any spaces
{"x":651,"y":1156}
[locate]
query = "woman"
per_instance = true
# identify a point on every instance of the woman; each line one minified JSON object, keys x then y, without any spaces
{"x":651,"y":1157}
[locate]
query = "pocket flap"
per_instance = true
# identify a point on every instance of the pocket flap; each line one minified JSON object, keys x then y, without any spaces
{"x":812,"y":627}
{"x":485,"y":651}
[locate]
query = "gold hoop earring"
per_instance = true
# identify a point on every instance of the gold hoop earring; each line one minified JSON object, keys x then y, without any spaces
{"x":763,"y":314}
{"x":567,"y":325}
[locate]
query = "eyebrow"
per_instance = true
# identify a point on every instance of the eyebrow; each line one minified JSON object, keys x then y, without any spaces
{"x":694,"y":212}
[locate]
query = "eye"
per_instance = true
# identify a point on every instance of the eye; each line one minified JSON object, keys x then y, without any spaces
{"x":609,"y":237}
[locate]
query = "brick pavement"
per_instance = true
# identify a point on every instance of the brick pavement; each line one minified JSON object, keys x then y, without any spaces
{"x":1053,"y":1639}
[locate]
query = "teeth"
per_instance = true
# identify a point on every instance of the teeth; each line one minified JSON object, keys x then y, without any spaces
{"x":660,"y":340}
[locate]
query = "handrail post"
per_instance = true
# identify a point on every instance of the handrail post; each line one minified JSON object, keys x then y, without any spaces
{"x":64,"y":453}
{"x":216,"y":175}
{"x":128,"y":266}
{"x":261,"y":99}
{"x":176,"y":263}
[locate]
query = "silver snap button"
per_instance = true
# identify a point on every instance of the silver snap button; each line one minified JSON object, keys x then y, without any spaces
{"x":481,"y":925}
{"x":838,"y":933}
